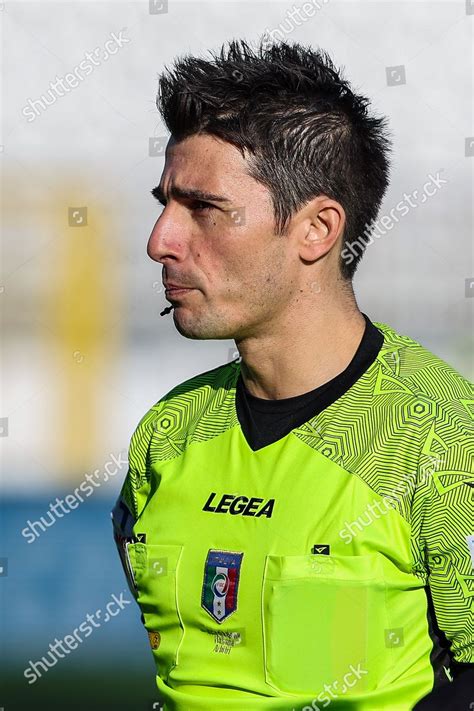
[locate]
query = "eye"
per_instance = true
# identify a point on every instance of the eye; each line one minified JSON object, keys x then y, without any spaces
{"x":201,"y":206}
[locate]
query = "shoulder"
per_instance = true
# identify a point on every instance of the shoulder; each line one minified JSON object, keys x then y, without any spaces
{"x":192,"y":395}
{"x":197,"y":408}
{"x":433,"y":388}
{"x":409,"y":415}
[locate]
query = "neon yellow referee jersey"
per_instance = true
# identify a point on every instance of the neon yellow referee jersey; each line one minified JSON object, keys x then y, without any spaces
{"x":324,"y":568}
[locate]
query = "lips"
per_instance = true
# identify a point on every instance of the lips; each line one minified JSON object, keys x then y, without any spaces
{"x":168,"y":287}
{"x":174,"y":291}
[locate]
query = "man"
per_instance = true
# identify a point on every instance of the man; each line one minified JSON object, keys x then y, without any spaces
{"x":296,"y":525}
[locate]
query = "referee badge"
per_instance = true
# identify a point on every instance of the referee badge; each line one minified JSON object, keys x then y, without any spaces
{"x":221,"y":583}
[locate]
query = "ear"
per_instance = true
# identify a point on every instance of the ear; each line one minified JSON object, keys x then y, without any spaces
{"x":320,"y":229}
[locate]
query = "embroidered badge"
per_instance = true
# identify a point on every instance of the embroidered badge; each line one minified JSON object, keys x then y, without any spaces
{"x":221,"y":583}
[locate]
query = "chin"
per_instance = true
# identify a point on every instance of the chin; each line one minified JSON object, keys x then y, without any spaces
{"x":201,"y":327}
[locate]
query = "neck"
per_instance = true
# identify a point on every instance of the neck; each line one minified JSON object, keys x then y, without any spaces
{"x":301,"y":352}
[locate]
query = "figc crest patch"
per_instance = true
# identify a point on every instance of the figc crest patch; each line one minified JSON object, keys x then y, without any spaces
{"x":221,"y":583}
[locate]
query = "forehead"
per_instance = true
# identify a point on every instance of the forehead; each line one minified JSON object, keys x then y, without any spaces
{"x":206,"y":162}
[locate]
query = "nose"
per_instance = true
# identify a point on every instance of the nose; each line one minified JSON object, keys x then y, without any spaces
{"x":166,"y":240}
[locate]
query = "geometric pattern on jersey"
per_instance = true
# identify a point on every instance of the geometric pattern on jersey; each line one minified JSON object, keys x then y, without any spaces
{"x":405,"y":429}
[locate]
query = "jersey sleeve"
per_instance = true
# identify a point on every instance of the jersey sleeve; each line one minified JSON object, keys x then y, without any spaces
{"x":135,"y":489}
{"x":447,"y":530}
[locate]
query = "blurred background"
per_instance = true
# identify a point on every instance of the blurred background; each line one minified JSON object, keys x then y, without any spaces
{"x":84,"y":351}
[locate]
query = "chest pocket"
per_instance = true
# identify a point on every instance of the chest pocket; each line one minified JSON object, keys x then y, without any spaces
{"x":154,"y":568}
{"x":325,"y":621}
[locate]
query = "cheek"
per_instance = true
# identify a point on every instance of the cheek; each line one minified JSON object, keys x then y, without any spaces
{"x":239,"y":260}
{"x":257,"y":280}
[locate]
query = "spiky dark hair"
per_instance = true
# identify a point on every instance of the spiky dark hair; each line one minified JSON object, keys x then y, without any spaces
{"x":301,"y":128}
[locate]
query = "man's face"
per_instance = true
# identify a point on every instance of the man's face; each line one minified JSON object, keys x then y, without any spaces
{"x":242,"y":275}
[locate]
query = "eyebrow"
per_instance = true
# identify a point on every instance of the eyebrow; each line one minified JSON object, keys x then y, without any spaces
{"x":188,"y":193}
